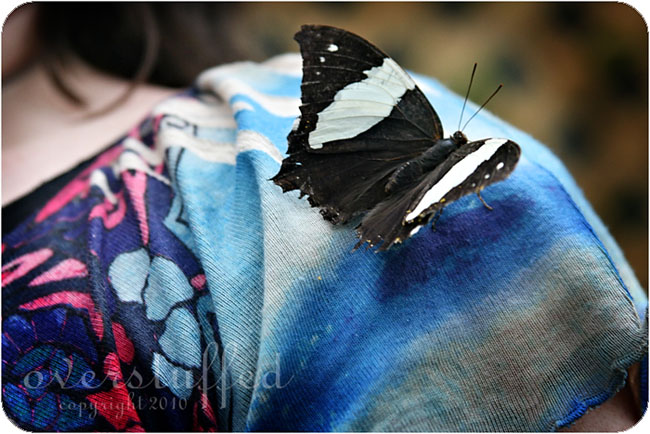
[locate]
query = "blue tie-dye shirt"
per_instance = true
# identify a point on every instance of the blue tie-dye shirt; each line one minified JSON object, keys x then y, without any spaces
{"x":172,"y":286}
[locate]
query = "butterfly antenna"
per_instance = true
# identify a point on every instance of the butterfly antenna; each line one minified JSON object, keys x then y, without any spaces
{"x":484,"y":104}
{"x":471,"y":78}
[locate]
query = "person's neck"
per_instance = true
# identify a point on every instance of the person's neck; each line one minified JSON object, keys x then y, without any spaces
{"x":44,"y":133}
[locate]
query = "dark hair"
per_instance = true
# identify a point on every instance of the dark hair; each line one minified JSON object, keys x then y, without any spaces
{"x":161,"y":43}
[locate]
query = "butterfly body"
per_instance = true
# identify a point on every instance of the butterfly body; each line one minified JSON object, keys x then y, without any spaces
{"x":412,"y":170}
{"x":369,"y":142}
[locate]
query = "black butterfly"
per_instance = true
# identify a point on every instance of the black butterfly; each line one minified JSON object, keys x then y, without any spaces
{"x":369,"y":141}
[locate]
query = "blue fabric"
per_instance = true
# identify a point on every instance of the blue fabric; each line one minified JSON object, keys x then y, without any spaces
{"x":453,"y":331}
{"x":200,"y":268}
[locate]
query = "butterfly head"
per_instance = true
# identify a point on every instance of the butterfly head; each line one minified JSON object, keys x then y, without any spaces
{"x":459,"y":138}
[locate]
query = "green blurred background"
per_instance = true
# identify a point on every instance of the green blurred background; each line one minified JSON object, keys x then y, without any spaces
{"x":575,"y":77}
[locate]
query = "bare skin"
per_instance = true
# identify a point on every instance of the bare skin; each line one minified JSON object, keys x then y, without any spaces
{"x":615,"y":415}
{"x":44,"y":135}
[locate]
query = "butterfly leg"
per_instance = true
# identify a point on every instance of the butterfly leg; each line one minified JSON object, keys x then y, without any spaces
{"x":478,"y":193}
{"x":436,"y":218}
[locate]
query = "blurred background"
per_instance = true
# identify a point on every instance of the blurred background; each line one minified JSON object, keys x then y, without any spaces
{"x":575,"y":74}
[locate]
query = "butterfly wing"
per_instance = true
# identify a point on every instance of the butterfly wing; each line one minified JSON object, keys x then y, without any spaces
{"x":469,"y":169}
{"x":362,"y":116}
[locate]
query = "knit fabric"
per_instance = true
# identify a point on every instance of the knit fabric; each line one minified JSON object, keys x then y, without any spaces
{"x":172,"y":286}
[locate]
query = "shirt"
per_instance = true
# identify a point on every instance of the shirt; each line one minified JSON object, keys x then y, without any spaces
{"x":170,"y":285}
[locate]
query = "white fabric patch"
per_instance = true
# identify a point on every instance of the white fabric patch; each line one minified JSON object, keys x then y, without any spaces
{"x":225,"y":81}
{"x":238,"y":106}
{"x":456,"y":175}
{"x":248,"y":140}
{"x":153,"y":157}
{"x":202,"y":113}
{"x":296,"y":124}
{"x":206,"y":149}
{"x":98,"y":178}
{"x":362,"y":104}
{"x":133,"y":161}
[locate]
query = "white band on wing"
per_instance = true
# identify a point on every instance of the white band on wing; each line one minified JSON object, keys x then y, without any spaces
{"x":362,"y":104}
{"x":456,"y":175}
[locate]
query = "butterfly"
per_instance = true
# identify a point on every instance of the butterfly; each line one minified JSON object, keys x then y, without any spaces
{"x":368,"y":141}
